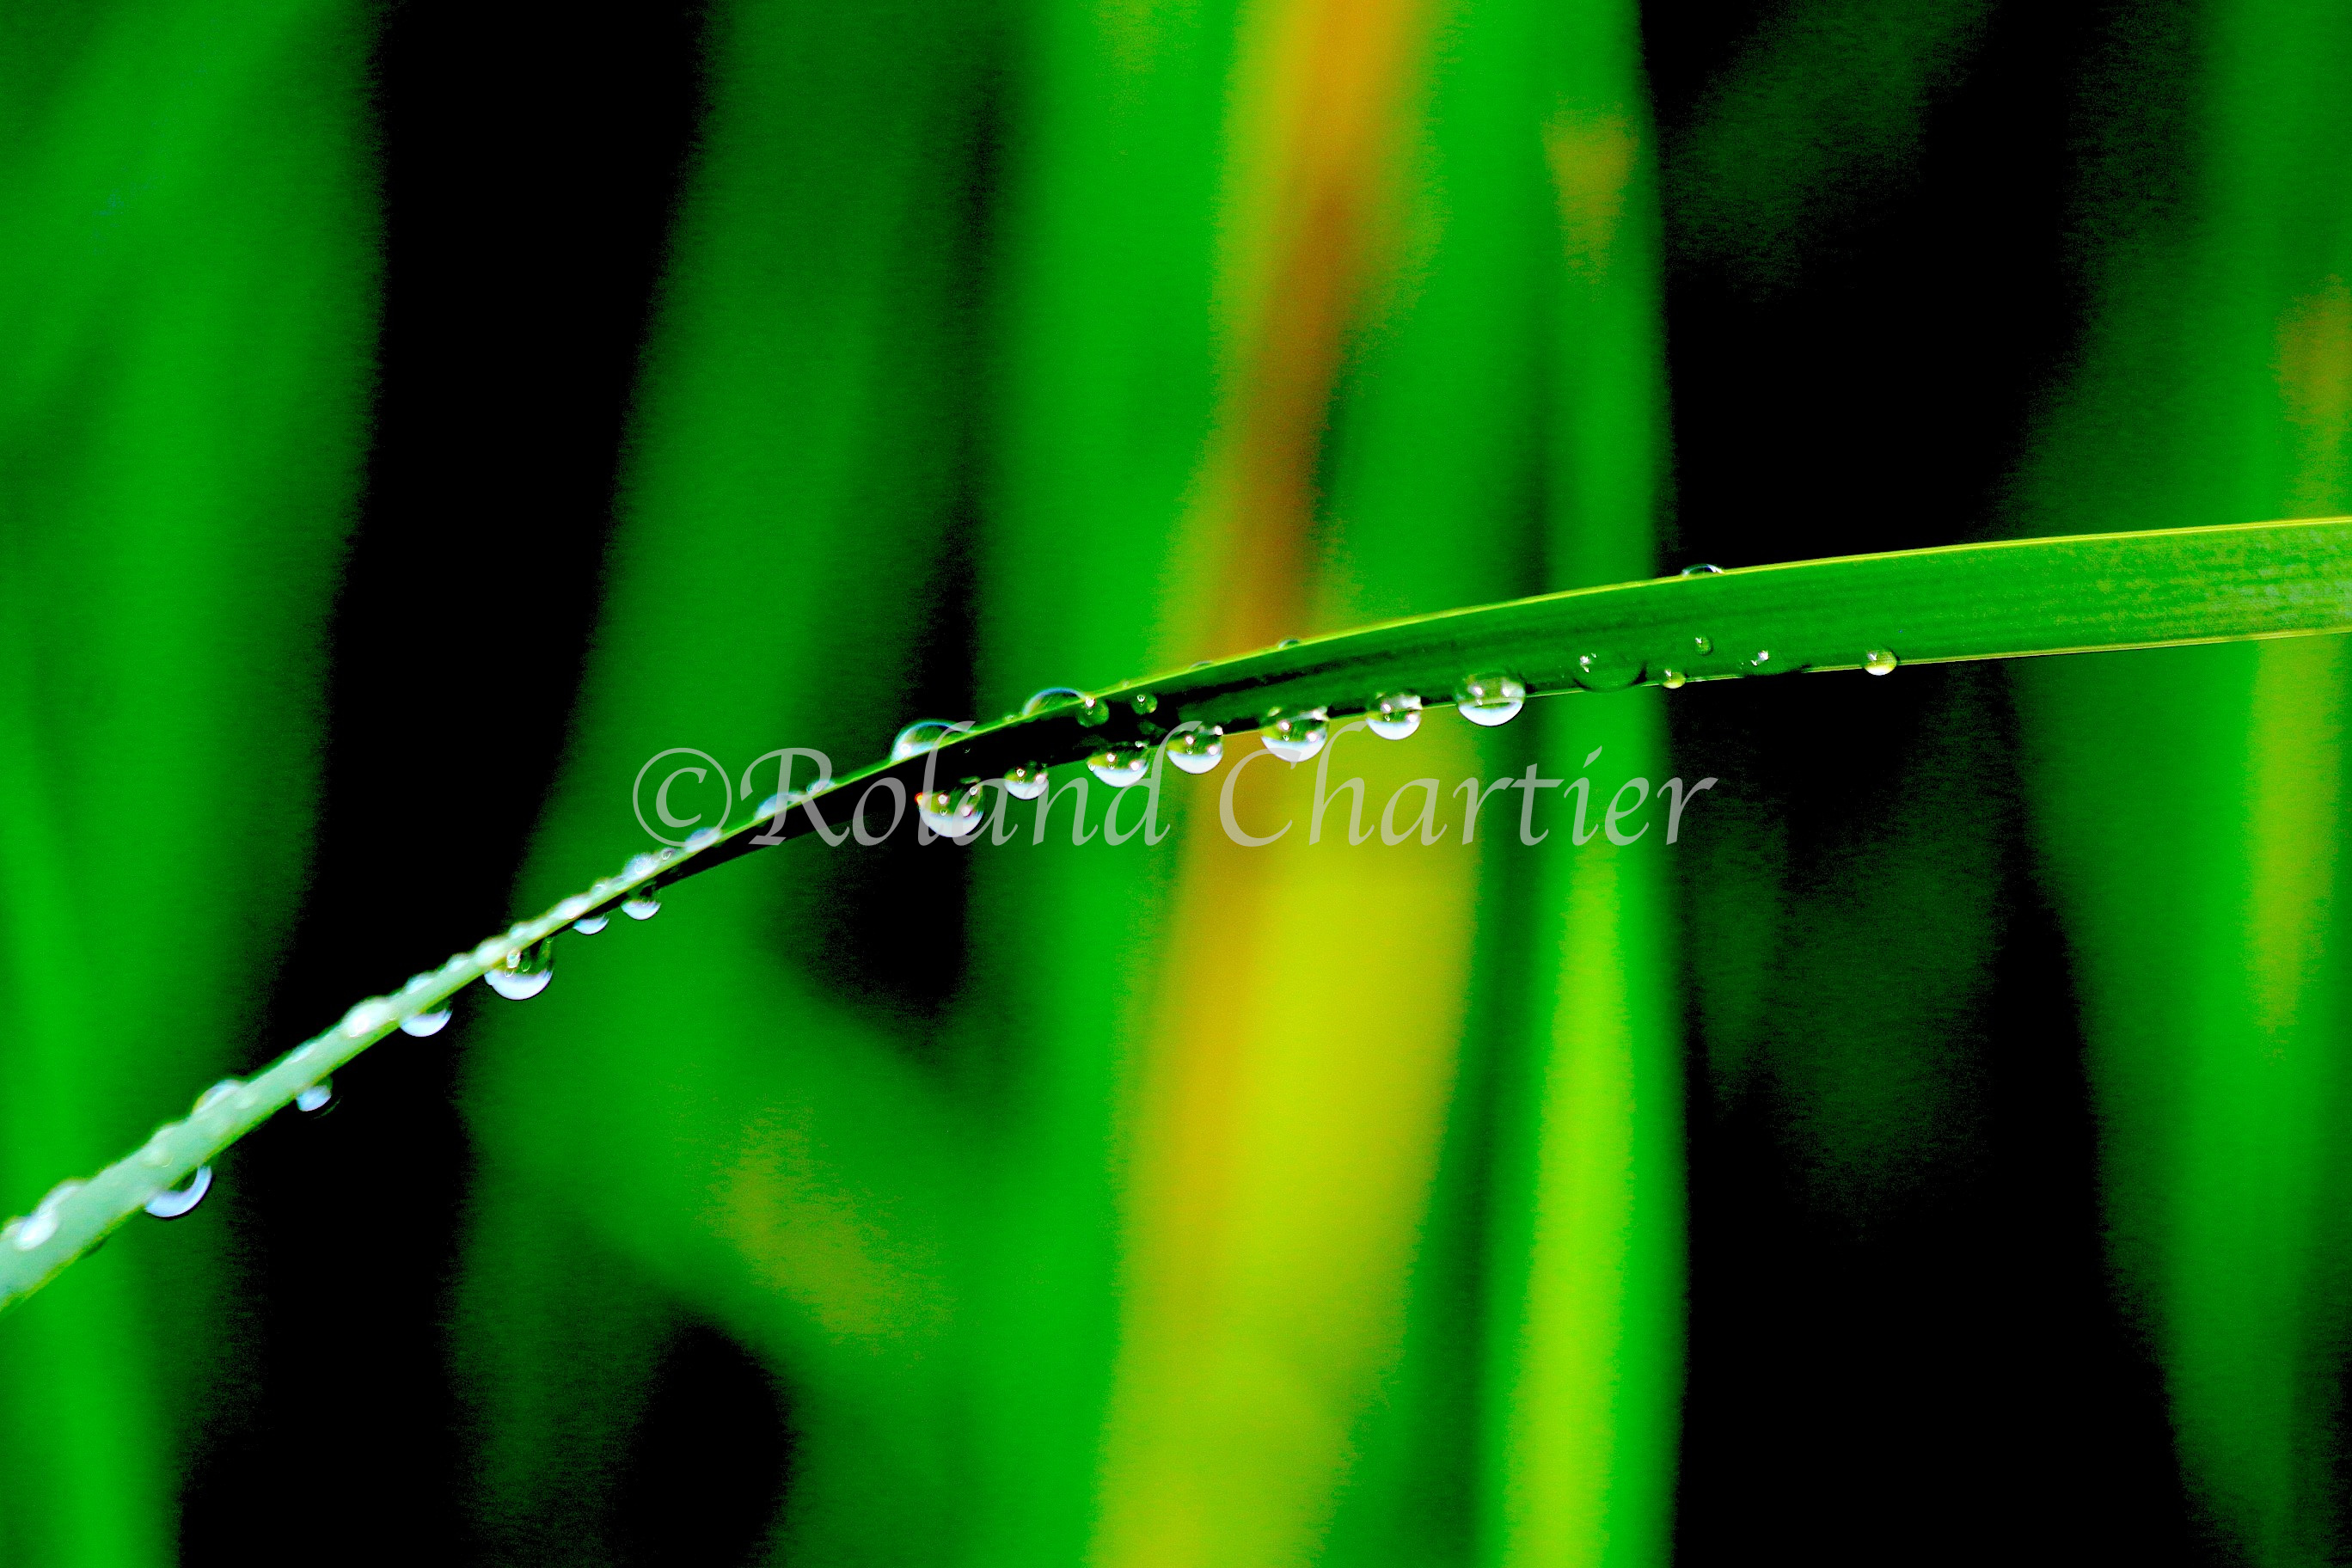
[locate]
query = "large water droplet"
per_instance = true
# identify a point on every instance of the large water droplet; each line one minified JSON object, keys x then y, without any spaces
{"x":589,"y":925}
{"x":366,"y":1018}
{"x":952,"y":813}
{"x":173,"y":1202}
{"x":1295,"y":737}
{"x":1091,"y":710}
{"x":524,"y":974}
{"x":1607,"y":671}
{"x":1197,"y":751}
{"x":641,"y":905}
{"x":1120,"y":766}
{"x":314,"y":1097}
{"x":1490,"y":700}
{"x":1702,"y":569}
{"x":1878,"y":661}
{"x":1672,"y":680}
{"x":1394,"y":715}
{"x":424,"y":1024}
{"x":1026,"y":782}
{"x":42,"y":1222}
{"x":918,"y":737}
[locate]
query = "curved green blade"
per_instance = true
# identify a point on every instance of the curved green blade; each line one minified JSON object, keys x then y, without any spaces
{"x":2077,"y":594}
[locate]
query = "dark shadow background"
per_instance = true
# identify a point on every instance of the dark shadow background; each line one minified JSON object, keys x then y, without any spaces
{"x":1854,"y":1396}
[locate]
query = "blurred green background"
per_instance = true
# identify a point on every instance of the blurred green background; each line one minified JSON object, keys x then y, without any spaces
{"x":413,"y":417}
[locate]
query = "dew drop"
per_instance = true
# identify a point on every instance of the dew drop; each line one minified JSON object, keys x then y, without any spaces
{"x":1197,"y":751}
{"x":1295,"y":737}
{"x":951,"y":813}
{"x":1394,"y":715}
{"x":701,"y":838}
{"x":42,"y":1222}
{"x":524,"y":974}
{"x":1091,"y":710}
{"x":922,"y":735}
{"x":1120,"y":766}
{"x":1702,"y":645}
{"x":1144,"y":702}
{"x":366,"y":1018}
{"x":423,"y":1024}
{"x":1490,"y":700}
{"x":1760,"y":658}
{"x":1878,"y":661}
{"x":215,"y":1094}
{"x":1606,"y":671}
{"x":173,"y":1202}
{"x":641,"y":905}
{"x":589,"y":925}
{"x":1672,"y":680}
{"x":1287,"y":642}
{"x":1702,"y":569}
{"x":314,"y":1097}
{"x":639,"y":866}
{"x":1026,"y":782}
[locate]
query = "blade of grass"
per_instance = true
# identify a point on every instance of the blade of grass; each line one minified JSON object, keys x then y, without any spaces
{"x":2077,"y":594}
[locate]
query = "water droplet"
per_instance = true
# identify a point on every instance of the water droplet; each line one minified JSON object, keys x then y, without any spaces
{"x":1878,"y":661}
{"x":1702,"y":645}
{"x":701,"y":838}
{"x":42,"y":1222}
{"x":641,"y":905}
{"x":1394,"y":715}
{"x":1120,"y":766}
{"x":1702,"y":569}
{"x":952,"y":813}
{"x":1091,"y":710}
{"x":173,"y":1202}
{"x":640,"y":865}
{"x":1672,"y":680}
{"x":589,"y":925}
{"x":1144,"y":702}
{"x":1026,"y":782}
{"x":1607,"y":671}
{"x":215,"y":1094}
{"x":1760,"y":658}
{"x":1202,"y":663}
{"x":422,"y":1024}
{"x":366,"y":1018}
{"x":1197,"y":751}
{"x":315,"y":1097}
{"x":1490,"y":700}
{"x":526,"y":974}
{"x":918,"y":737}
{"x":1287,"y":642}
{"x":1295,"y":737}
{"x":571,"y":909}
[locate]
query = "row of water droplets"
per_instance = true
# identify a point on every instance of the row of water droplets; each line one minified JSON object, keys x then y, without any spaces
{"x":509,"y":965}
{"x":1295,"y":735}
